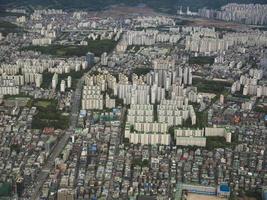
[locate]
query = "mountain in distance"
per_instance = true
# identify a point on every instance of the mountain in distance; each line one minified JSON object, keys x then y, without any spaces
{"x":160,"y":5}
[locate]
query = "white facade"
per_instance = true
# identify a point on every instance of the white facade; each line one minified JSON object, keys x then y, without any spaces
{"x":92,"y":98}
{"x":54,"y":81}
{"x":62,"y":86}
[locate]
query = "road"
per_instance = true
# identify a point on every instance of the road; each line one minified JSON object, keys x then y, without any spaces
{"x":41,"y":178}
{"x":75,"y":108}
{"x":116,"y":154}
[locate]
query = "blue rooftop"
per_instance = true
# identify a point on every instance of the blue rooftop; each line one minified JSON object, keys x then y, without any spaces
{"x":224,"y":188}
{"x":265,"y":195}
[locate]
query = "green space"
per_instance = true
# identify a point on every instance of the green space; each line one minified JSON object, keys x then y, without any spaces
{"x":214,"y":142}
{"x":43,"y":103}
{"x":119,"y":102}
{"x":201,"y":120}
{"x":171,"y":132}
{"x":16,"y":148}
{"x":13,"y":97}
{"x":75,"y":76}
{"x":47,"y":80}
{"x":251,"y":194}
{"x":141,"y":71}
{"x":5,"y":189}
{"x":95,"y":46}
{"x":140,"y":162}
{"x":8,"y":27}
{"x":22,"y":99}
{"x":48,"y":115}
{"x":257,"y":194}
{"x":261,"y":28}
{"x":155,"y":114}
{"x":126,"y":141}
{"x":5,"y":24}
{"x":239,"y":94}
{"x":261,"y":109}
{"x":201,"y":60}
{"x":132,"y":128}
{"x":211,"y":86}
{"x":226,"y":29}
{"x":10,"y":14}
{"x":183,"y":22}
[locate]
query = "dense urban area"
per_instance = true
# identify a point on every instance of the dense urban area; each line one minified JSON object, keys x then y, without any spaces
{"x":130,"y":103}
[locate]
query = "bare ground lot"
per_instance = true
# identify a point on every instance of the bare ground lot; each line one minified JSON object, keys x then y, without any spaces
{"x":122,"y":11}
{"x":192,"y":196}
{"x":119,"y":11}
{"x":213,"y":23}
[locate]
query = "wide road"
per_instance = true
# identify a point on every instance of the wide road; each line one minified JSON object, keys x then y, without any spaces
{"x":75,"y":107}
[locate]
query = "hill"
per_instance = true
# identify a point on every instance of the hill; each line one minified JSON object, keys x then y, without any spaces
{"x":161,"y":5}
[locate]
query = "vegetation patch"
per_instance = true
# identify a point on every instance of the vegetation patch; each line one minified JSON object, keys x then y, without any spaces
{"x":8,"y":27}
{"x":5,"y":189}
{"x":261,"y":109}
{"x":44,"y":103}
{"x":10,"y":14}
{"x":214,"y":142}
{"x":48,"y":115}
{"x":141,"y":71}
{"x":5,"y":24}
{"x":211,"y":86}
{"x":201,"y":60}
{"x":47,"y":80}
{"x":19,"y":96}
{"x":140,"y":162}
{"x":183,"y":22}
{"x":75,"y":76}
{"x":95,"y":46}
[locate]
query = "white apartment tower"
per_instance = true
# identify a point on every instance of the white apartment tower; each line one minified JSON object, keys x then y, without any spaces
{"x":54,"y":81}
{"x":62,"y":86}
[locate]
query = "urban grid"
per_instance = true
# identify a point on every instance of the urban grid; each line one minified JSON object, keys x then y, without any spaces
{"x":130,"y":103}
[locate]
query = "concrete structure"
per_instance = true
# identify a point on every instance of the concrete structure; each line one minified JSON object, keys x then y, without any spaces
{"x":222,"y":132}
{"x":54,"y":81}
{"x":62,"y":86}
{"x":92,"y":98}
{"x":90,"y":58}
